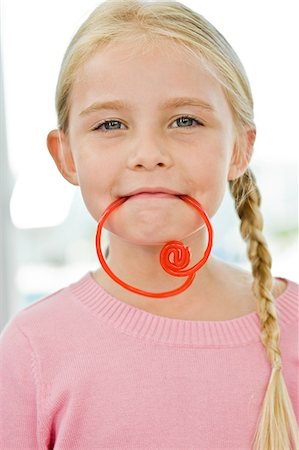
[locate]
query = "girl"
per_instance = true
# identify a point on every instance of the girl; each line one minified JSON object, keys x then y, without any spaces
{"x":153,"y":103}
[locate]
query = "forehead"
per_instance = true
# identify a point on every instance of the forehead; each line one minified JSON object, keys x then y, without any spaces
{"x":124,"y":52}
{"x":145,"y":72}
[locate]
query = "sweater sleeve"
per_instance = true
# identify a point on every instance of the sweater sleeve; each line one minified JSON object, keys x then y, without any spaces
{"x":18,"y":393}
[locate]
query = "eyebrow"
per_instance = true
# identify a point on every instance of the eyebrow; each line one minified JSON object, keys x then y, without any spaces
{"x":118,"y":105}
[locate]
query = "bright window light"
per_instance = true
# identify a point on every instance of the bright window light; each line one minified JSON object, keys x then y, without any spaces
{"x":41,"y":198}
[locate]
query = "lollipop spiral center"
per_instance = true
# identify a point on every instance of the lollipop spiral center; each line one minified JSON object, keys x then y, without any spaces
{"x":180,"y":254}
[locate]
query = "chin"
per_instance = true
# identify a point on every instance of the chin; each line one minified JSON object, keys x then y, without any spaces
{"x":154,"y":236}
{"x":154,"y":227}
{"x":144,"y":240}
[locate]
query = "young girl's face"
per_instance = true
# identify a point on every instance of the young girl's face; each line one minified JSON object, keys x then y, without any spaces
{"x":149,"y":120}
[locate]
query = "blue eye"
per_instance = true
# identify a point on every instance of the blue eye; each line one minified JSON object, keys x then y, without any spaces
{"x":187,"y":119}
{"x":106,"y":124}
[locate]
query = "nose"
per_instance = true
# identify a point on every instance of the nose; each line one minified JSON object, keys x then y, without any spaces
{"x":149,"y":152}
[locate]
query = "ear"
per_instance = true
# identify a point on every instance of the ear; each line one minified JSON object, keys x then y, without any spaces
{"x":242,"y":153}
{"x":59,"y":148}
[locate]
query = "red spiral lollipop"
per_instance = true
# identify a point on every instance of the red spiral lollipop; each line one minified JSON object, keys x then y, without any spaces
{"x":181,"y":258}
{"x":181,"y":253}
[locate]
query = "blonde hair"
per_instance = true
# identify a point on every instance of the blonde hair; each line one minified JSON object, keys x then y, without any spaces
{"x":117,"y":20}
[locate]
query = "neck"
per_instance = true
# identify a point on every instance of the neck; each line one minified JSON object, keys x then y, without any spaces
{"x":139,"y":266}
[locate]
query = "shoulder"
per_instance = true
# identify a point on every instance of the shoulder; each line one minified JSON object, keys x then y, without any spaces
{"x":46,"y":315}
{"x":237,"y":287}
{"x":287,"y":300}
{"x":281,"y":285}
{"x":242,"y":279}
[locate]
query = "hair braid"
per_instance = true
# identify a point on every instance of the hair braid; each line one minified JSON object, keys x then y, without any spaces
{"x":277,"y":421}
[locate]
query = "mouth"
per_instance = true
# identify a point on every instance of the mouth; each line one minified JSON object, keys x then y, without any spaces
{"x":153,"y":193}
{"x":148,"y":195}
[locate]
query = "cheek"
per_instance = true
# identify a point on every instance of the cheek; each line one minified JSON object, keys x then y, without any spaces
{"x":95,"y":186}
{"x":208,"y":180}
{"x":208,"y":167}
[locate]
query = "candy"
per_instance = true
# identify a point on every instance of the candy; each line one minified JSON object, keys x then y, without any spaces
{"x":181,"y":253}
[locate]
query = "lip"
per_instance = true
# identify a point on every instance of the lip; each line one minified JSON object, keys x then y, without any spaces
{"x":155,"y":195}
{"x":157,"y":192}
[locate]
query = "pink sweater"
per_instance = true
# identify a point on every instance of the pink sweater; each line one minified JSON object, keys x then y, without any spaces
{"x":81,"y":370}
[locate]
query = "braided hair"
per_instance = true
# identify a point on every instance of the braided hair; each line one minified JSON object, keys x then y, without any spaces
{"x":247,"y":199}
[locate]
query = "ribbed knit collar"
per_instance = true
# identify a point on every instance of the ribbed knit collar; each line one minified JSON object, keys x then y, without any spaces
{"x":142,"y":324}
